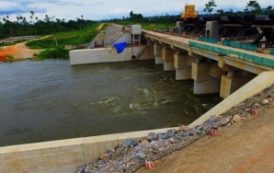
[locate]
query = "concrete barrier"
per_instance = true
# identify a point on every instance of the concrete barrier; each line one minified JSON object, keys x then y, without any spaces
{"x":106,"y":55}
{"x":258,"y":84}
{"x":63,"y":155}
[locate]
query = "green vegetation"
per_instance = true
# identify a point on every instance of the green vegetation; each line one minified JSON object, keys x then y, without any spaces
{"x":209,"y":7}
{"x":61,"y":39}
{"x":55,"y":44}
{"x":58,"y":53}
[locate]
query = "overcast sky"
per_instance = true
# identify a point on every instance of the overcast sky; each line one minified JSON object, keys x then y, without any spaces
{"x":105,"y":9}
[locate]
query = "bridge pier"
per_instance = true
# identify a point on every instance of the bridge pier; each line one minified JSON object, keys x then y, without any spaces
{"x":182,"y":64}
{"x":157,"y":49}
{"x":232,"y":81}
{"x":206,"y":77}
{"x":168,"y":58}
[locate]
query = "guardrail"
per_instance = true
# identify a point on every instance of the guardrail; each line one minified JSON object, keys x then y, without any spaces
{"x":272,"y":51}
{"x":240,"y":55}
{"x":244,"y":46}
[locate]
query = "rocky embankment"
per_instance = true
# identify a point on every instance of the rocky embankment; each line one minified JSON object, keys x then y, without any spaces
{"x":132,"y":154}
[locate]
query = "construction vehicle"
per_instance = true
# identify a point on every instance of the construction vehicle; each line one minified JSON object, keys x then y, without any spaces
{"x":189,"y":12}
{"x":257,"y":30}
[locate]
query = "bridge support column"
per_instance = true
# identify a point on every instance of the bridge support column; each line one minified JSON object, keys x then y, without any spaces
{"x":168,"y":58}
{"x":182,"y":64}
{"x":157,"y":48}
{"x":205,"y":76}
{"x":231,"y":82}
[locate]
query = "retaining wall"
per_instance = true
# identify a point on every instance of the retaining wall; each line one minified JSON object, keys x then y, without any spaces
{"x":106,"y":55}
{"x":63,"y":156}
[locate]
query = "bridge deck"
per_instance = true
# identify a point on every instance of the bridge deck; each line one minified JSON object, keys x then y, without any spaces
{"x":260,"y":60}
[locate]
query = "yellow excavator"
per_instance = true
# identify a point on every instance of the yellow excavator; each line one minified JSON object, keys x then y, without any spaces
{"x":189,"y":12}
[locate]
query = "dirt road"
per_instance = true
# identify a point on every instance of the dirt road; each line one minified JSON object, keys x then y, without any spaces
{"x":245,"y":147}
{"x":18,"y":51}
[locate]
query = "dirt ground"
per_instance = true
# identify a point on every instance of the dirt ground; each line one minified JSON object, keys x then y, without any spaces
{"x":245,"y":147}
{"x":18,"y":51}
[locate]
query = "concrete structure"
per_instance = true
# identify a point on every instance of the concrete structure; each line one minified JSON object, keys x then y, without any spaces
{"x":261,"y":82}
{"x":168,"y":58}
{"x":63,"y":156}
{"x":105,"y":55}
{"x":158,"y":53}
{"x":214,"y":68}
{"x":183,"y":65}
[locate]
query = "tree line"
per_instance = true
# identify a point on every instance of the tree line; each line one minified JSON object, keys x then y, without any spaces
{"x":32,"y":25}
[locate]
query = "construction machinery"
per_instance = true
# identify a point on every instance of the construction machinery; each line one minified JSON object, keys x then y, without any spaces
{"x":189,"y":12}
{"x":256,"y":30}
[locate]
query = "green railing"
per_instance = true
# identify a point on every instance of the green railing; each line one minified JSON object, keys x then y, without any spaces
{"x":209,"y":40}
{"x":272,"y":51}
{"x":245,"y":46}
{"x":225,"y":52}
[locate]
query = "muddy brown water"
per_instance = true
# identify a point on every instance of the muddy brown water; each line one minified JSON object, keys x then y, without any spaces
{"x":50,"y":100}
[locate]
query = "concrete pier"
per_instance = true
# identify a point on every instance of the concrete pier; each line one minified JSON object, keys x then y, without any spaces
{"x":205,"y":78}
{"x":168,"y":58}
{"x":157,"y":49}
{"x":183,"y":65}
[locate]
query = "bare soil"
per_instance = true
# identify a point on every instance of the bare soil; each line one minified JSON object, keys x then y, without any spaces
{"x":18,"y":51}
{"x":244,"y":147}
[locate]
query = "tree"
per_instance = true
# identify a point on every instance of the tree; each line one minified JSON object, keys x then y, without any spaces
{"x":220,"y":11}
{"x":31,"y":16}
{"x":253,"y":6}
{"x":209,"y":7}
{"x":268,"y":10}
{"x":135,"y":16}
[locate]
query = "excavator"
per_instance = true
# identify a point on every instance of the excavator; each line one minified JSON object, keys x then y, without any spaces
{"x":189,"y":12}
{"x":257,"y":29}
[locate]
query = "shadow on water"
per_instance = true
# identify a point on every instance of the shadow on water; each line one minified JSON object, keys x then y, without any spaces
{"x":49,"y":100}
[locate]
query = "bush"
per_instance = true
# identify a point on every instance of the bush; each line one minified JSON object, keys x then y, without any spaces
{"x":58,"y":53}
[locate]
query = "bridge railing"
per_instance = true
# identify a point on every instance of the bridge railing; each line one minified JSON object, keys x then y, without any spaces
{"x":232,"y":53}
{"x":244,"y":46}
{"x":272,"y":51}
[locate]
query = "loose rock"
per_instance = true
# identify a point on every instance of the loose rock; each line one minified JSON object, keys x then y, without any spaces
{"x":152,"y":136}
{"x":265,"y":101}
{"x":236,"y":118}
{"x":129,"y":143}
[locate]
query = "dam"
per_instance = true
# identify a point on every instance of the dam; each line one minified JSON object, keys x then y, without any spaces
{"x":233,"y":74}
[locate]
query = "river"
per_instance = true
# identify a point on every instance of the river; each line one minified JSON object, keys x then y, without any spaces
{"x":50,"y":100}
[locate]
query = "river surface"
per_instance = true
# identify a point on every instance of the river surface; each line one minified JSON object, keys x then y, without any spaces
{"x":50,"y":100}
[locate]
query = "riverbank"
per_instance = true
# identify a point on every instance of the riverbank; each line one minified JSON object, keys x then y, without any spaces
{"x":246,"y":146}
{"x":18,"y":51}
{"x":131,"y":155}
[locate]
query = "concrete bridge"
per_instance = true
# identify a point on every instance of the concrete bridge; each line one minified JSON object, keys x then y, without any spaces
{"x":215,"y":68}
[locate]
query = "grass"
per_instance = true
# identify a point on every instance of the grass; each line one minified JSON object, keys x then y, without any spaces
{"x":57,"y":53}
{"x":75,"y":37}
{"x":54,"y":45}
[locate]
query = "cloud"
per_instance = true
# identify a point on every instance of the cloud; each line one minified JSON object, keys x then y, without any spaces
{"x":11,"y":7}
{"x":105,"y":9}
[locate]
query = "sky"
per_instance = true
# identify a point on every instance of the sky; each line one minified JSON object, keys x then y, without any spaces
{"x":107,"y":9}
